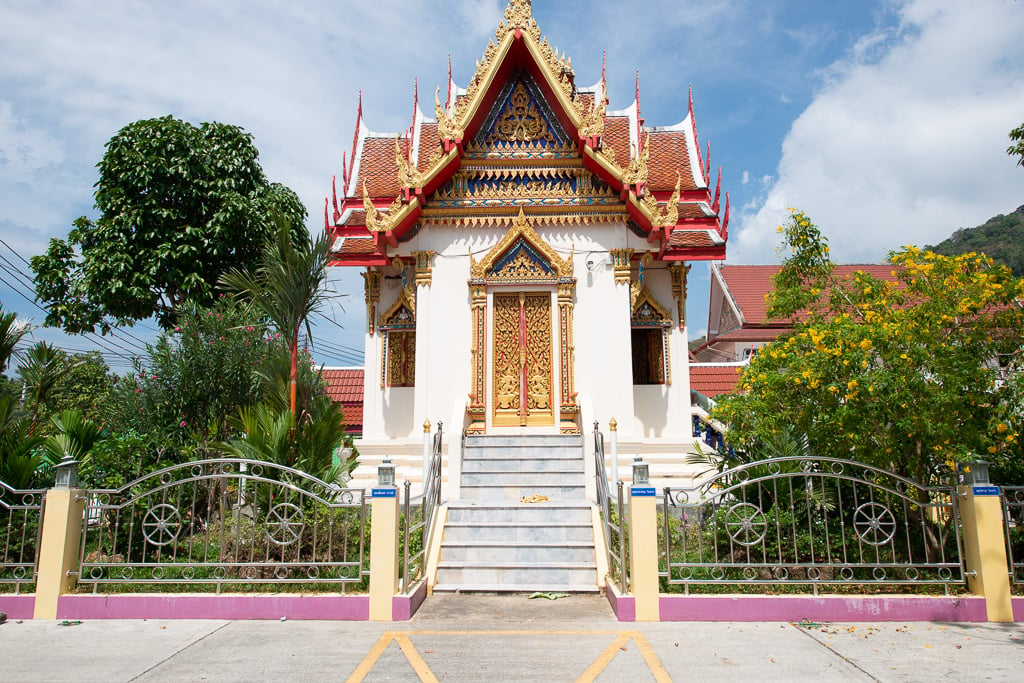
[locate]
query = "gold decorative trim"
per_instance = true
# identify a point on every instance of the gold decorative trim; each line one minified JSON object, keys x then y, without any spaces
{"x":668,"y":215}
{"x":407,"y":175}
{"x":521,"y":228}
{"x":592,"y":122}
{"x":447,"y":129}
{"x":371,"y":294}
{"x":637,"y":171}
{"x":424,"y":267}
{"x":377,"y":221}
{"x":680,"y":272}
{"x":621,"y":262}
{"x":477,"y":406}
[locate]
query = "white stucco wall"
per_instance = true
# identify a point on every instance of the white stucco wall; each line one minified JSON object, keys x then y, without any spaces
{"x":603,"y":366}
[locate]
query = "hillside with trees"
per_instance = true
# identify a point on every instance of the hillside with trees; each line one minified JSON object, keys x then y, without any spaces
{"x":1001,"y":238}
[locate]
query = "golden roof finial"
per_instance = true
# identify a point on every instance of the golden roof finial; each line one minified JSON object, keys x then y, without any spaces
{"x":375,"y":220}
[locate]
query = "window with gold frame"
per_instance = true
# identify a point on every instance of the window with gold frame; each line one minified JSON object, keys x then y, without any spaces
{"x":649,"y":326}
{"x":398,"y":327}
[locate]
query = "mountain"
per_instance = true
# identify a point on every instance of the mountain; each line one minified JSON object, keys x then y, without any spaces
{"x":1001,"y":237}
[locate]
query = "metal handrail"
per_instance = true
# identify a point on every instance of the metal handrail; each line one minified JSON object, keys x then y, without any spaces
{"x":616,"y":552}
{"x":429,"y":500}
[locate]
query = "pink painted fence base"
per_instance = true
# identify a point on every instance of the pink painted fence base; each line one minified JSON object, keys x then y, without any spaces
{"x":822,"y":608}
{"x":18,"y":606}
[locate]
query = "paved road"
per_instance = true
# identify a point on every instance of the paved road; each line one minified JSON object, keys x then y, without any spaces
{"x":471,"y":638}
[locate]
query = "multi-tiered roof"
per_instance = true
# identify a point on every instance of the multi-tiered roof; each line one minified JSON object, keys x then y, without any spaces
{"x":522,"y":136}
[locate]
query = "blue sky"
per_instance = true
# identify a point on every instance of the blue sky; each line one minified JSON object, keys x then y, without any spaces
{"x":885,"y":120}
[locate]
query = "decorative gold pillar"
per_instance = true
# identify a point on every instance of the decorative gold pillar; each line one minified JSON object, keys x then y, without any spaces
{"x":477,"y":397}
{"x":679,"y":273}
{"x":371,"y":290}
{"x":569,"y":409}
{"x":621,"y":262}
{"x":424,"y":267}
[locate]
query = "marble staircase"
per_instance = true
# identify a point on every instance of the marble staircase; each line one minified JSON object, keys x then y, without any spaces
{"x":495,"y":543}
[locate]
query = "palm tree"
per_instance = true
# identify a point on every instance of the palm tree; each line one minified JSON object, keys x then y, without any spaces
{"x":287,"y":286}
{"x":11,"y":334}
{"x":44,"y":366}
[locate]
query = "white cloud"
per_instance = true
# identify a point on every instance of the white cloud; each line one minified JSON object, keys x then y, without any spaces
{"x":906,"y":140}
{"x":746,"y":178}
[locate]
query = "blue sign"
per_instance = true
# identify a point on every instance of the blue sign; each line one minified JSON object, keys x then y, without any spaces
{"x":986,"y":490}
{"x":642,"y":492}
{"x":386,"y":492}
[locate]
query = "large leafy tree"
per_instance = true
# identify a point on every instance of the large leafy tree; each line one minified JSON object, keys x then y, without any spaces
{"x":1017,"y":149}
{"x":911,"y":373}
{"x":179,"y":206}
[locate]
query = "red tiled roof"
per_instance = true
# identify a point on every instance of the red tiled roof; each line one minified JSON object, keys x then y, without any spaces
{"x":749,"y":285}
{"x":753,"y":334}
{"x":714,"y":380}
{"x":377,"y":167}
{"x":345,"y":386}
{"x":616,"y":138}
{"x":690,"y":238}
{"x":358,"y":245}
{"x":670,"y":158}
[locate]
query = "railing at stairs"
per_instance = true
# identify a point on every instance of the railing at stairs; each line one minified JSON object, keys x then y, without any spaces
{"x":418,"y":517}
{"x":613,"y":522}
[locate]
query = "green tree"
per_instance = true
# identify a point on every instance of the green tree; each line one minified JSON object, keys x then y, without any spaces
{"x":287,"y":286}
{"x":87,"y":387}
{"x":179,"y":206}
{"x":1017,"y":150}
{"x":196,"y":376}
{"x":911,"y":374}
{"x":11,"y":334}
{"x":43,"y":368}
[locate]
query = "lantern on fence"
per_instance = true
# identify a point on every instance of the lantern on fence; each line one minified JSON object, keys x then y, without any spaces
{"x":386,"y":472}
{"x":979,"y":472}
{"x":66,"y":473}
{"x":641,"y":472}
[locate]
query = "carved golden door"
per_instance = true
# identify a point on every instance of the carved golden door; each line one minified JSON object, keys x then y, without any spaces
{"x":522,"y":367}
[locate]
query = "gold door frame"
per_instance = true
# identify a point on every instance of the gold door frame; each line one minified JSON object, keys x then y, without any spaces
{"x":543,"y":268}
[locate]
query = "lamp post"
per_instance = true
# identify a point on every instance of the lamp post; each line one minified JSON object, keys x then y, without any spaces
{"x":641,"y":472}
{"x":386,"y":472}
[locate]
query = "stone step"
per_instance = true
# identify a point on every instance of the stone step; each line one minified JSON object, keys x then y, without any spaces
{"x":522,"y":453}
{"x":525,"y":465}
{"x":514,"y":575}
{"x":519,"y":588}
{"x":518,"y":553}
{"x":514,"y":492}
{"x":570,"y":512}
{"x":557,"y":440}
{"x":541,"y":532}
{"x":522,"y":479}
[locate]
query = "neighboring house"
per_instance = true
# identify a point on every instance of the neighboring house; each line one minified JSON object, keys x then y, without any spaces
{"x":525,"y":254}
{"x":345,"y":386}
{"x":738,"y":322}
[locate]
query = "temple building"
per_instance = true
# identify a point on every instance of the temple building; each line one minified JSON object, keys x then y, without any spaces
{"x":525,"y":253}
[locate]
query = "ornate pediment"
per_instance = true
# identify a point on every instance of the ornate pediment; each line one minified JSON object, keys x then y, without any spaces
{"x":520,"y":119}
{"x":646,"y":310}
{"x":521,"y":256}
{"x":401,"y":315}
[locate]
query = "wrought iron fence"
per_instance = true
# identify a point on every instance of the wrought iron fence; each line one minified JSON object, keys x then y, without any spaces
{"x":1013,"y":515}
{"x":418,"y":516}
{"x":816,"y":521}
{"x":21,"y":523}
{"x":613,"y":521}
{"x":225,"y":521}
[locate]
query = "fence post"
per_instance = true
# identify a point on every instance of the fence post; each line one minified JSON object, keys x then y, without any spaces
{"x":60,"y":541}
{"x":981,"y":514}
{"x":643,"y":544}
{"x":383,"y":543}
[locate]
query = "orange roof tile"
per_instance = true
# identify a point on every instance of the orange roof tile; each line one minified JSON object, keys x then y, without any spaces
{"x":714,"y":380}
{"x":670,"y":157}
{"x":358,"y":245}
{"x":429,"y":141}
{"x":378,"y":169}
{"x":690,"y":238}
{"x":345,"y":386}
{"x":616,"y":137}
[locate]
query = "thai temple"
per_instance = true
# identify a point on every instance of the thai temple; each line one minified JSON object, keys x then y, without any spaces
{"x":525,"y":251}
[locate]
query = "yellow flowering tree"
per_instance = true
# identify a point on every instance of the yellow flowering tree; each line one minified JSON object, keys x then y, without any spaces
{"x":911,"y":373}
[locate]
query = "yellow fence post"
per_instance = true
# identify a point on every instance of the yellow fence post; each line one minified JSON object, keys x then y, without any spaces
{"x":383,"y":543}
{"x":60,"y":541}
{"x":981,"y":514}
{"x":643,"y":544}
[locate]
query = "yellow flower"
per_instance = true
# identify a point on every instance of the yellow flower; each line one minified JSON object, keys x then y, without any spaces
{"x":852,"y":384}
{"x":1001,"y":427}
{"x":865,"y":344}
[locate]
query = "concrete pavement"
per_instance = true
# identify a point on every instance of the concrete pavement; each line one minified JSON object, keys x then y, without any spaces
{"x":506,"y":638}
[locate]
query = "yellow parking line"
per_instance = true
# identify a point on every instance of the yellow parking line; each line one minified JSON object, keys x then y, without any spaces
{"x":413,"y":655}
{"x":371,"y":658}
{"x":653,"y":663}
{"x":602,"y":661}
